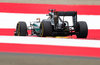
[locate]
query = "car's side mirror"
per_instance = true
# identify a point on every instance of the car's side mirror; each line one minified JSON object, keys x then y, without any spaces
{"x":47,"y":14}
{"x":52,"y":10}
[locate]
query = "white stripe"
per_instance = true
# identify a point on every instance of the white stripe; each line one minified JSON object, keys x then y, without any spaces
{"x":50,"y":41}
{"x":9,"y":20}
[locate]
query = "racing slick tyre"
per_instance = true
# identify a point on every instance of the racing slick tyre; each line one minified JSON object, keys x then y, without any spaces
{"x":81,"y":29}
{"x":21,"y":29}
{"x":45,"y":29}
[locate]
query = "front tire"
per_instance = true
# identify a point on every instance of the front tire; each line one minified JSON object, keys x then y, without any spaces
{"x":81,"y":29}
{"x":21,"y":29}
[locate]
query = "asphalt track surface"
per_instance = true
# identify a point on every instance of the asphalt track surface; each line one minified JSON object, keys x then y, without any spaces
{"x":38,"y":59}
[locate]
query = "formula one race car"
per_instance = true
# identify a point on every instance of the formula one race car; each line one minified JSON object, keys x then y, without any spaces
{"x":54,"y":25}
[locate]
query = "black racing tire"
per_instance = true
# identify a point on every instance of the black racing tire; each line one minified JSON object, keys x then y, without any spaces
{"x":45,"y":29}
{"x":21,"y":29}
{"x":81,"y":29}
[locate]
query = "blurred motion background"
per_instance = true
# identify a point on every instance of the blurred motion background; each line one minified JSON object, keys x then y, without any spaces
{"x":40,"y":59}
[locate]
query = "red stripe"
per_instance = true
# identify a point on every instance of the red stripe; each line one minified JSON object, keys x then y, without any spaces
{"x":92,"y":33}
{"x":43,"y":8}
{"x":53,"y":50}
{"x":8,"y":32}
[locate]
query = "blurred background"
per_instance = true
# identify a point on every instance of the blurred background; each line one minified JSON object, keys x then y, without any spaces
{"x":7,"y":58}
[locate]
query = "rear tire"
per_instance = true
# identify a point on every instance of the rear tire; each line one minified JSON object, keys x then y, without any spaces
{"x":21,"y":29}
{"x":81,"y":29}
{"x":45,"y":29}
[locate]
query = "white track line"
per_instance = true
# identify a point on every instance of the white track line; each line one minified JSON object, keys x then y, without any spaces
{"x":9,"y":20}
{"x":50,"y":41}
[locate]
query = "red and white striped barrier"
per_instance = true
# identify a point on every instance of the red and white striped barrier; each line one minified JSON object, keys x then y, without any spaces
{"x":51,"y":46}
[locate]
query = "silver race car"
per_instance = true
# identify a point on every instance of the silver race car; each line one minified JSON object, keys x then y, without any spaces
{"x":54,"y":25}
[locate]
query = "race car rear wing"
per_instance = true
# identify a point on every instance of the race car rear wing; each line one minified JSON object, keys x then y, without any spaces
{"x":68,"y":13}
